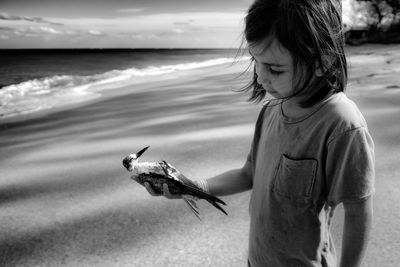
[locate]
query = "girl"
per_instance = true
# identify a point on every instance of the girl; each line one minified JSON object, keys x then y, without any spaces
{"x":311,"y":148}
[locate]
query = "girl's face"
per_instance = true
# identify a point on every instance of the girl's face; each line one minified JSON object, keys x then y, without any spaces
{"x":274,"y":68}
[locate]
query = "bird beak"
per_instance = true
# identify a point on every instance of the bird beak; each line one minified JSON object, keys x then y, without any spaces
{"x":138,"y":154}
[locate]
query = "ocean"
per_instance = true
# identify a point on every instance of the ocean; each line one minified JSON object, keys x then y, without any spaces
{"x":35,"y":80}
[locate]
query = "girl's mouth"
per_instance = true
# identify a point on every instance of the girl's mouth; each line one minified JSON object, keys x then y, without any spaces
{"x":269,"y":90}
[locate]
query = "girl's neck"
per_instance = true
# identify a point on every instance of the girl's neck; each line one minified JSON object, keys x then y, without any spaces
{"x":292,"y":109}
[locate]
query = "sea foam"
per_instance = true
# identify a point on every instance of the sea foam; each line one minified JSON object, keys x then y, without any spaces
{"x":59,"y":90}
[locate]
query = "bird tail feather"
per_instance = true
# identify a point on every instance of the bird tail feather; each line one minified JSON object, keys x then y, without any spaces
{"x":213,"y":200}
{"x":192,"y":205}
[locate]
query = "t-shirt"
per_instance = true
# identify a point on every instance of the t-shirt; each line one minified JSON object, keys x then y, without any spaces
{"x":302,"y":168}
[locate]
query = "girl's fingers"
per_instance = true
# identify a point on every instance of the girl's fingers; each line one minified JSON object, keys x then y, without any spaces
{"x":167,"y":194}
{"x":150,"y":190}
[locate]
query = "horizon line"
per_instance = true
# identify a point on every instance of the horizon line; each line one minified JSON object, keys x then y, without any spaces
{"x":113,"y":48}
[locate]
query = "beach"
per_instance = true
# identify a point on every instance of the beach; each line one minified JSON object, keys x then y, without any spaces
{"x":66,"y":199}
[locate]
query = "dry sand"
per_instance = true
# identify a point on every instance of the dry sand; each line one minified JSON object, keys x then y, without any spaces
{"x":65,"y":199}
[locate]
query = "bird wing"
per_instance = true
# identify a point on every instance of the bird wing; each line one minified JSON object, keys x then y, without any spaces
{"x":176,"y":175}
{"x":173,"y":173}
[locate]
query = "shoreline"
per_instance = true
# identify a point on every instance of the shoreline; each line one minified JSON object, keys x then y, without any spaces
{"x":140,"y":86}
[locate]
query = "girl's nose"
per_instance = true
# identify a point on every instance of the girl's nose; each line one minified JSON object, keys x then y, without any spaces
{"x":262,"y":75}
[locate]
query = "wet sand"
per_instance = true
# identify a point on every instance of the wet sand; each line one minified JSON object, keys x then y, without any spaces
{"x":66,"y":200}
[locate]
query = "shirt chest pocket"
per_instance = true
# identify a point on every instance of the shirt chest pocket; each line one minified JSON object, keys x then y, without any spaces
{"x":294,"y":178}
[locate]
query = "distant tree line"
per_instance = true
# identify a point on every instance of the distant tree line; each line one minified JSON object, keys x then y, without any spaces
{"x":382,"y":25}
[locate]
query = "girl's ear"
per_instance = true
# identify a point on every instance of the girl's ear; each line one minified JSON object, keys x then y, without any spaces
{"x":327,"y":62}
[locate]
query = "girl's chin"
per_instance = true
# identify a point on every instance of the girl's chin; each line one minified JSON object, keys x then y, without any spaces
{"x":274,"y":94}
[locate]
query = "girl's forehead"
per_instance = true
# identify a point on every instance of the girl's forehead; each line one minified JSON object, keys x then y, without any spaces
{"x":272,"y":51}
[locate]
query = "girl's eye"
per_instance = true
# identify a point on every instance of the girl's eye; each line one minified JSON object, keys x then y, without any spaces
{"x":271,"y":70}
{"x":275,"y":72}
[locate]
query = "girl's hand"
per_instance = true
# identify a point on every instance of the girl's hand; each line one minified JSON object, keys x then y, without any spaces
{"x":166,"y":192}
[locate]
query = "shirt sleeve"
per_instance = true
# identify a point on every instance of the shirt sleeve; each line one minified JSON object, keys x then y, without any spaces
{"x":350,"y":167}
{"x":250,"y":161}
{"x":248,"y":165}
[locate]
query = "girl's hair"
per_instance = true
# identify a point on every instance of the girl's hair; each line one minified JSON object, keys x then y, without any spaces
{"x":311,"y":30}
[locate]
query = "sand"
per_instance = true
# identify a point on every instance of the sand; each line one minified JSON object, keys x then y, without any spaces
{"x":66,"y":200}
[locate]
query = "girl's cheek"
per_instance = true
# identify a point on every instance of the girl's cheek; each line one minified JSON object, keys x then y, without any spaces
{"x":286,"y":82}
{"x":283,"y":86}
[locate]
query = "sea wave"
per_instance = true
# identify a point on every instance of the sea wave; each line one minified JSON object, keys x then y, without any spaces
{"x":59,"y":90}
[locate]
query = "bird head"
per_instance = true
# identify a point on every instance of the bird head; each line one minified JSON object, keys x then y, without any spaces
{"x":128,"y":161}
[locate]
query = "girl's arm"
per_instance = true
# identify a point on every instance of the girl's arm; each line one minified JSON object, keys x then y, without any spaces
{"x":357,"y":226}
{"x":230,"y":182}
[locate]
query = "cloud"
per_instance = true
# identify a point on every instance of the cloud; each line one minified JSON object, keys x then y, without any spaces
{"x":177,"y":31}
{"x":95,"y":32}
{"x":45,"y":31}
{"x":130,"y":10}
{"x":49,"y":30}
{"x":184,"y":23}
{"x":6,"y":29}
{"x":26,"y":32}
{"x":31,"y":31}
{"x":169,"y":33}
{"x":5,"y":16}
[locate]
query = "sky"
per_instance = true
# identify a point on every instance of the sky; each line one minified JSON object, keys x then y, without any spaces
{"x":122,"y":23}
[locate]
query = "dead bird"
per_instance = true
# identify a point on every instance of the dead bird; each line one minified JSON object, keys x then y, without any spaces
{"x":159,"y":173}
